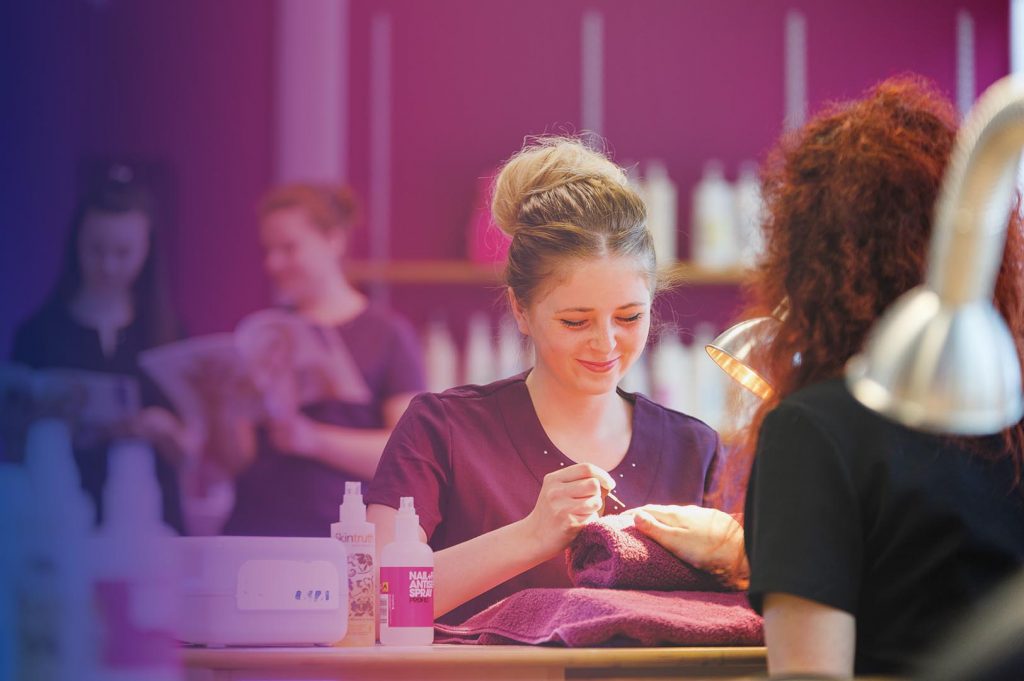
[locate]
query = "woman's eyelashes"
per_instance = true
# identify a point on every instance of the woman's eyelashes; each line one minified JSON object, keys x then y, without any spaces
{"x":580,"y":323}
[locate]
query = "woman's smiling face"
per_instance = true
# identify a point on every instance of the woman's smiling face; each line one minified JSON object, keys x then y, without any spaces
{"x":589,"y":328}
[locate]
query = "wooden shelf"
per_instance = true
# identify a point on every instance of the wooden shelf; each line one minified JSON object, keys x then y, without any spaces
{"x":462,"y":272}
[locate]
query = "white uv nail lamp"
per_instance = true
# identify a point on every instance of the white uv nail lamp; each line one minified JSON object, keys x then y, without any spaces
{"x":262,"y":591}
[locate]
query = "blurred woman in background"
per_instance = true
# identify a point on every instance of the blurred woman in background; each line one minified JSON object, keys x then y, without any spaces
{"x":110,"y":303}
{"x":291,"y":465}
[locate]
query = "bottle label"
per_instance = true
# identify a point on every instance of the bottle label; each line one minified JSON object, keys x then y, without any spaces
{"x":407,"y":596}
{"x":361,"y":595}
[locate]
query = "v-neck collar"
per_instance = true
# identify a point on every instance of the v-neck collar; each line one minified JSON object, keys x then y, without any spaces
{"x":634,"y":475}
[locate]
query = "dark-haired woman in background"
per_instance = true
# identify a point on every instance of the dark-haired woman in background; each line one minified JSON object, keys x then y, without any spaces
{"x":111,"y":303}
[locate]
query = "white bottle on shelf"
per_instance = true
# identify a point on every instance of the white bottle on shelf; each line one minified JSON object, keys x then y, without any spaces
{"x":511,"y":349}
{"x":407,"y":583}
{"x":749,"y":214}
{"x":714,"y":221}
{"x":662,"y":199}
{"x":671,"y":378}
{"x":56,"y":618}
{"x":442,"y":357}
{"x":360,"y":539}
{"x":136,"y":572}
{"x":480,"y":356}
{"x":638,"y":378}
{"x":709,"y":379}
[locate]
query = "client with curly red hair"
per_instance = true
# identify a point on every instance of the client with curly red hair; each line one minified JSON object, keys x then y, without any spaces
{"x":866,"y":539}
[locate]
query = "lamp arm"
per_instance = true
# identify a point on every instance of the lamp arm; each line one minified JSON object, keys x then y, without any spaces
{"x":976,"y":197}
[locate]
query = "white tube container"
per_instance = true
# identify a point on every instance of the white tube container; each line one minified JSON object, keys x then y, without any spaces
{"x":360,"y":539}
{"x":407,"y":584}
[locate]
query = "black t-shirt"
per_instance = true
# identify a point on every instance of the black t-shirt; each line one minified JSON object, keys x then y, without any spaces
{"x":53,"y":338}
{"x":901,"y":529}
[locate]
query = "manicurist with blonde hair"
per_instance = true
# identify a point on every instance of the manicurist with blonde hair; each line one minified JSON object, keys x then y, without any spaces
{"x":505,"y":475}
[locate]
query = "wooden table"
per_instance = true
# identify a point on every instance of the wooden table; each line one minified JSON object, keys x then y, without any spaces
{"x":470,"y":662}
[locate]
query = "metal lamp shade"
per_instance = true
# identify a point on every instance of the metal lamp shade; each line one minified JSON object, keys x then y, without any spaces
{"x":732,"y":351}
{"x":940,"y":369}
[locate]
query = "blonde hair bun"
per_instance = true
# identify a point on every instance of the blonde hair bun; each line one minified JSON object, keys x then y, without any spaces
{"x":532,"y":188}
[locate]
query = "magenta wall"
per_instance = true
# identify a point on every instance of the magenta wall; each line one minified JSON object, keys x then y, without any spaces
{"x":190,"y":82}
{"x":187,"y":84}
{"x":684,"y":81}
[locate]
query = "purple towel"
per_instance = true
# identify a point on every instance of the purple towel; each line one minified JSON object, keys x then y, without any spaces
{"x":611,"y":553}
{"x":608,"y":617}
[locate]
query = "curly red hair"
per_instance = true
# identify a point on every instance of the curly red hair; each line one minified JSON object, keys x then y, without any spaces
{"x":849,"y":200}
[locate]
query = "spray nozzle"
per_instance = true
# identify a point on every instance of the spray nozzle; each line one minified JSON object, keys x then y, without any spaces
{"x":406,"y":507}
{"x":407,"y":523}
{"x":352,"y":508}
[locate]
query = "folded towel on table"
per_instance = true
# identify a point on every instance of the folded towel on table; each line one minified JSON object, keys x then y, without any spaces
{"x":608,"y":617}
{"x":612,"y":553}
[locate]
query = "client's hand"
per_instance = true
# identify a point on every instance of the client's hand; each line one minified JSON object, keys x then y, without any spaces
{"x":568,"y":499}
{"x":706,"y":538}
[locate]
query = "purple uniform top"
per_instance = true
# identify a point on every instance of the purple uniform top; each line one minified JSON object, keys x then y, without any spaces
{"x":288,"y":495}
{"x":474,"y":458}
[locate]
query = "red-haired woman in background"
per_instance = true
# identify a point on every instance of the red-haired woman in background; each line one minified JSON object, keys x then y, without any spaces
{"x":292,"y":466}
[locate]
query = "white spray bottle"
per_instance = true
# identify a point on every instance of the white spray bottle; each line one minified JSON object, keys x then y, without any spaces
{"x":57,"y":627}
{"x":407,"y":583}
{"x":137,"y":572}
{"x":360,"y":540}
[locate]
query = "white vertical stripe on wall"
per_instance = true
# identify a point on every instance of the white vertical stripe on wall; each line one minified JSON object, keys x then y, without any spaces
{"x":796,"y":70}
{"x":592,"y":72}
{"x":311,"y":90}
{"x":379,"y":222}
{"x":965,"y":87}
{"x":1017,"y":58}
{"x":1017,"y":37}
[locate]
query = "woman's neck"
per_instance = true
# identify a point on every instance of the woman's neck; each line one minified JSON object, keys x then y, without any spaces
{"x":106,"y":312}
{"x":562,"y":409}
{"x":335,"y":303}
{"x":102,"y":309}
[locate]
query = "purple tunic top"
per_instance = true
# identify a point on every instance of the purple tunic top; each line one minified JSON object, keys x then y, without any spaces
{"x":286,"y":495}
{"x":475,"y":457}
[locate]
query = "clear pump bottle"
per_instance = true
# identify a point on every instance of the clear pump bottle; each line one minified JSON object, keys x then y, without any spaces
{"x":359,"y":537}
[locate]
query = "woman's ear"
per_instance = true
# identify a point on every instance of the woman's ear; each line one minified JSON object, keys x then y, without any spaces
{"x":518,"y":312}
